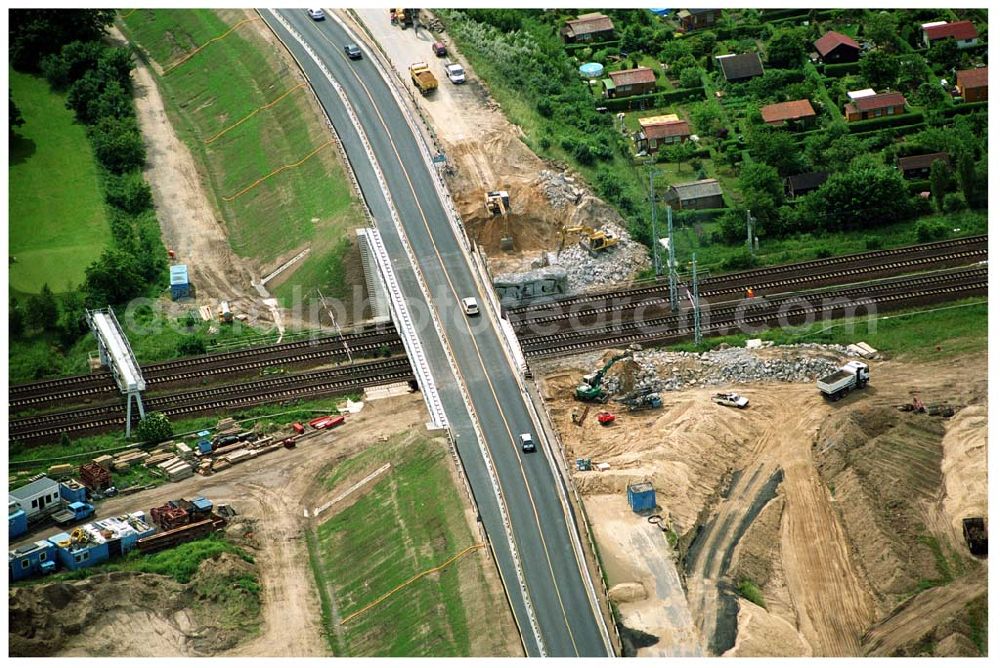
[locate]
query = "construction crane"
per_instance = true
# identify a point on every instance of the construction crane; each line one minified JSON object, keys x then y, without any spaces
{"x":590,"y":389}
{"x":591,"y":240}
{"x":498,"y":204}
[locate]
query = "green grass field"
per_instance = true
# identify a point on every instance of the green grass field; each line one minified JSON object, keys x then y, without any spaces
{"x":57,"y":217}
{"x":410,"y":521}
{"x":224,"y":83}
{"x":933,"y":333}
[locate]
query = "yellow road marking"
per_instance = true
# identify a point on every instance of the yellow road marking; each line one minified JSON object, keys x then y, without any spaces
{"x":475,"y":345}
{"x":416,"y":577}
{"x":277,"y":171}
{"x":214,"y":39}
{"x":255,"y":112}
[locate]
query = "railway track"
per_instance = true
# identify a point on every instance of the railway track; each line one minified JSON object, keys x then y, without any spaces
{"x":321,"y":383}
{"x":326,"y":349}
{"x":727,"y":317}
{"x":815,"y":273}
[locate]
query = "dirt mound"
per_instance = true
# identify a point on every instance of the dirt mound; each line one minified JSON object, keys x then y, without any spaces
{"x":134,"y":614}
{"x":964,"y":488}
{"x":627,"y":592}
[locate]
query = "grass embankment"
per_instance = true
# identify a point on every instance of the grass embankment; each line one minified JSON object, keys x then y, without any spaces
{"x":935,"y":332}
{"x":58,"y":222}
{"x":27,"y":460}
{"x":410,"y":521}
{"x":231,"y":80}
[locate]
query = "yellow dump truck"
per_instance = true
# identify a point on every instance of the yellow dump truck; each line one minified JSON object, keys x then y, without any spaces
{"x":423,"y":78}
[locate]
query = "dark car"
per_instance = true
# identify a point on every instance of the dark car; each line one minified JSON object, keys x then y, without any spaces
{"x":352,"y":51}
{"x":439,"y":49}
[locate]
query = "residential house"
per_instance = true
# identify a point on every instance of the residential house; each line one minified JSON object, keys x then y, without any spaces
{"x":659,"y":130}
{"x":919,"y":166}
{"x":36,"y":496}
{"x":593,"y":27}
{"x":963,"y":32}
{"x":638,"y":81}
{"x":692,"y":19}
{"x":704,"y":194}
{"x":740,"y":68}
{"x":973,"y":84}
{"x":797,"y":111}
{"x":800,"y":184}
{"x":834,"y":47}
{"x":875,"y":106}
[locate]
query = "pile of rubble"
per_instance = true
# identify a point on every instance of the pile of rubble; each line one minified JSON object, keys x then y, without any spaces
{"x":561,"y":190}
{"x":617,"y":265}
{"x":664,"y":371}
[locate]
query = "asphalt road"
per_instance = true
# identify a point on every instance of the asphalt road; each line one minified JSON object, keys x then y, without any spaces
{"x":565,"y":614}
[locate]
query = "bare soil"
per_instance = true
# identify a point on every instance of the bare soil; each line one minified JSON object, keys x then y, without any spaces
{"x":832,"y":511}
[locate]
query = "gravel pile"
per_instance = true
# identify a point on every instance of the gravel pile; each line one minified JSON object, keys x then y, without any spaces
{"x":561,"y":190}
{"x":617,"y":265}
{"x":665,"y":371}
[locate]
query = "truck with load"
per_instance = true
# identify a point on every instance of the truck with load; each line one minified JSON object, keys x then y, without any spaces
{"x":73,"y":512}
{"x":852,"y":375}
{"x":423,"y":78}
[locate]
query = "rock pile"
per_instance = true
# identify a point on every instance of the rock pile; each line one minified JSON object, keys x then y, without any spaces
{"x":617,"y":265}
{"x":664,"y":371}
{"x":561,"y":190}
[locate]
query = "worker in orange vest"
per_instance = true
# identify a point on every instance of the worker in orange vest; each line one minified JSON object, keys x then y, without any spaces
{"x":749,"y":293}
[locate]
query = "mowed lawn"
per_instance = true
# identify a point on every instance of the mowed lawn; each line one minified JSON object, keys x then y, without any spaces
{"x":57,"y":216}
{"x":308,"y":205}
{"x":411,"y":520}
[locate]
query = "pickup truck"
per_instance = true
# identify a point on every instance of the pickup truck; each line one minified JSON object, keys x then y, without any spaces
{"x":73,"y":512}
{"x":852,"y":375}
{"x":455,"y":72}
{"x":731,"y":399}
{"x":423,"y":78}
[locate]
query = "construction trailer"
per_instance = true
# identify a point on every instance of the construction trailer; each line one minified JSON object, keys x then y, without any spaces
{"x":180,"y":285}
{"x":38,"y":498}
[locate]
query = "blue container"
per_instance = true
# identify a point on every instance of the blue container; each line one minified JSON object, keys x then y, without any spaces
{"x":71,"y":491}
{"x":180,"y":286}
{"x":641,"y":497}
{"x":30,"y":561}
{"x":204,"y":447}
{"x":202,"y":504}
{"x":17,"y":523}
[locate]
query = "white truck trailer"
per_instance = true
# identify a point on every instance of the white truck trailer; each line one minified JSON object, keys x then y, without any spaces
{"x":852,"y":375}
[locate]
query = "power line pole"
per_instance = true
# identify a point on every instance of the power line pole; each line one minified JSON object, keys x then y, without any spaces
{"x":750,"y":222}
{"x":695,"y":299}
{"x":671,"y":262}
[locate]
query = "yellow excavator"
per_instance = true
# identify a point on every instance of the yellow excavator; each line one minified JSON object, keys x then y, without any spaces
{"x":591,"y":240}
{"x":498,"y":204}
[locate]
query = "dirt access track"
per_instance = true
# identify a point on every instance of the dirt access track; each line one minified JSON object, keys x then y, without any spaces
{"x":275,"y":489}
{"x":829,"y":510}
{"x":487,"y":153}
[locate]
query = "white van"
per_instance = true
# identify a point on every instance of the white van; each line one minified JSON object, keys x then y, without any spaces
{"x":471,"y":306}
{"x":527,"y":444}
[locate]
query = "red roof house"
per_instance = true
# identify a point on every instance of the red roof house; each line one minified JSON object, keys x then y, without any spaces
{"x":875,"y":106}
{"x":779,"y":114}
{"x":963,"y":32}
{"x":973,"y":84}
{"x":834,"y":47}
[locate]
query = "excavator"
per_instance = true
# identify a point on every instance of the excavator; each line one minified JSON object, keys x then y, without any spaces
{"x":498,"y":204}
{"x":590,"y":389}
{"x":591,"y":240}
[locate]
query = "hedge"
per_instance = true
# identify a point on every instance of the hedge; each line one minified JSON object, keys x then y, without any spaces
{"x":837,"y":70}
{"x":596,"y":46}
{"x":885,"y":122}
{"x":965,"y":108}
{"x":918,"y":186}
{"x":653,"y":100}
{"x":698,"y":215}
{"x":700,"y":154}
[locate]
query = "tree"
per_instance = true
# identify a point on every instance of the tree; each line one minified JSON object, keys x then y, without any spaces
{"x":953,"y":203}
{"x":674,"y":50}
{"x":786,"y":48}
{"x":42,"y":309}
{"x":880,"y":27}
{"x":879,"y":68}
{"x":912,"y":71}
{"x":862,"y":197}
{"x":733,"y":226}
{"x":35,"y":33}
{"x":114,"y":278}
{"x":945,"y":54}
{"x":15,"y":119}
{"x":703,"y":43}
{"x":118,"y":144}
{"x":762,"y":190}
{"x":774,"y":147}
{"x":128,"y":192}
{"x":972,"y":179}
{"x":691,"y":77}
{"x":15,"y":318}
{"x":71,"y":62}
{"x":72,"y":321}
{"x":154,"y":428}
{"x":191,"y":345}
{"x":929,"y":95}
{"x":941,"y":182}
{"x":707,"y":117}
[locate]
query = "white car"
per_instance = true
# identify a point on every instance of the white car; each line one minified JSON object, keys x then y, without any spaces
{"x":471,"y":306}
{"x":527,"y":444}
{"x":731,"y":399}
{"x":316,"y":14}
{"x":455,"y":72}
